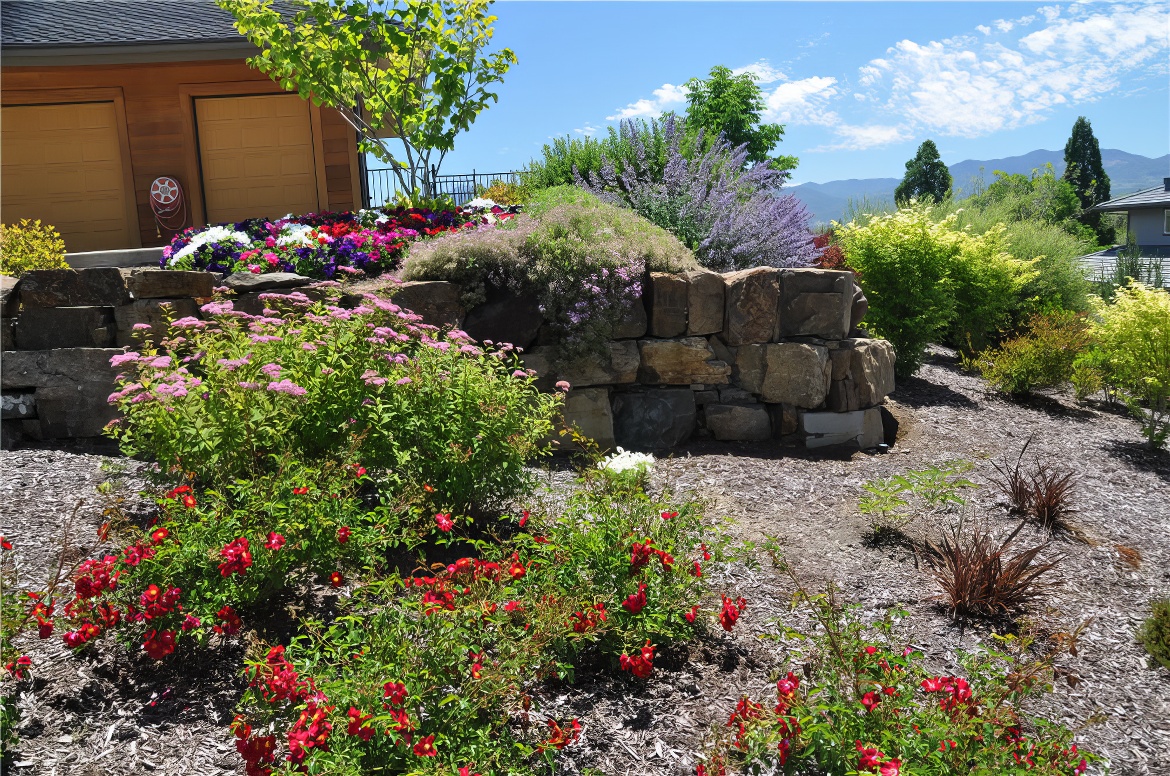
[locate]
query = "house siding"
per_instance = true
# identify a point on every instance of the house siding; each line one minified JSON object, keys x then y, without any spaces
{"x":1148,"y":225}
{"x":158,"y":100}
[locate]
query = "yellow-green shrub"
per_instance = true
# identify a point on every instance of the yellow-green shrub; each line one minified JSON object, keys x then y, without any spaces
{"x":30,"y":245}
{"x":506,"y":193}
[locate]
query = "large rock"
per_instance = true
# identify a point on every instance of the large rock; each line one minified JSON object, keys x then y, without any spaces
{"x":751,"y":305}
{"x":748,"y":371}
{"x":815,"y":303}
{"x":154,"y":313}
{"x":170,"y":284}
{"x":48,"y":328}
{"x":705,"y":299}
{"x":796,"y":373}
{"x":7,"y":334}
{"x":96,"y":287}
{"x":633,"y":323}
{"x":619,"y":366}
{"x":862,"y":428}
{"x":858,"y":309}
{"x":666,"y":299}
{"x":655,"y":419}
{"x":437,"y":301}
{"x":738,"y":422}
{"x":505,"y":318}
{"x":682,"y":361}
{"x":70,"y":387}
{"x":8,"y":297}
{"x":785,"y":419}
{"x":863,"y":374}
{"x":247,"y":282}
{"x":587,"y":409}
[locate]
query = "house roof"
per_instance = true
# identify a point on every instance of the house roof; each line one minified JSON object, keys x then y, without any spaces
{"x":1159,"y":196}
{"x":30,"y":24}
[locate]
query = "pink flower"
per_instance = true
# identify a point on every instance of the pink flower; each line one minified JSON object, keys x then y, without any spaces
{"x":563,"y":385}
{"x":275,"y":541}
{"x":444,"y":522}
{"x":287,"y":386}
{"x":870,"y":701}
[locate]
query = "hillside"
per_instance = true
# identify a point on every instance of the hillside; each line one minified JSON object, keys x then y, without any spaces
{"x":1127,"y":173}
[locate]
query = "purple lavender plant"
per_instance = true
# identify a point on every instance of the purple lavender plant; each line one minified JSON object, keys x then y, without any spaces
{"x":731,"y":217}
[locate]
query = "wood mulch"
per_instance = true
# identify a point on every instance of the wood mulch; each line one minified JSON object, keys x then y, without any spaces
{"x":110,"y":712}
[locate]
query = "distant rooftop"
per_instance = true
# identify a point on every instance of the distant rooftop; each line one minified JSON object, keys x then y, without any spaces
{"x":1159,"y":196}
{"x":42,"y":24}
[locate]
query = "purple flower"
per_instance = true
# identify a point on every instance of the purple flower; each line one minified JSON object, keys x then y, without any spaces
{"x":123,"y":358}
{"x":403,"y":381}
{"x":271,"y":370}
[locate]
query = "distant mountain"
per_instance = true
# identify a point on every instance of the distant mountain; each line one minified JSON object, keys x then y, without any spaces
{"x":1127,"y":173}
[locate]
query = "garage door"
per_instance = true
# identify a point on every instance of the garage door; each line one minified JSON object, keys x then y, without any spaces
{"x":63,"y":165}
{"x":257,"y":157}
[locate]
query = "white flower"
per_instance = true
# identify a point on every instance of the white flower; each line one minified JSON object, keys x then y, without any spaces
{"x":209,"y":236}
{"x":624,"y":460}
{"x":479,"y":203}
{"x":294,"y":234}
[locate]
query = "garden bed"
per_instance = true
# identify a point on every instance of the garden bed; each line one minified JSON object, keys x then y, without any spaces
{"x":107,"y":712}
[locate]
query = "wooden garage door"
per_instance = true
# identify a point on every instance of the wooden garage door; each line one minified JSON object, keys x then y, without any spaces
{"x":63,"y":165}
{"x":257,"y":157}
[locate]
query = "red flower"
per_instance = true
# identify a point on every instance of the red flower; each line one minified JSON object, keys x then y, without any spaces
{"x":5,"y":544}
{"x":640,"y":664}
{"x":159,"y":644}
{"x":357,"y":724}
{"x":359,"y":470}
{"x":669,"y":515}
{"x":336,"y":579}
{"x":82,"y":635}
{"x":395,"y":692}
{"x":300,"y":491}
{"x":425,"y":747}
{"x":635,"y":602}
{"x":870,"y":757}
{"x":343,"y":534}
{"x":870,"y":701}
{"x":692,"y":614}
{"x":275,"y":541}
{"x":136,"y":553}
{"x":190,"y":622}
{"x":159,"y":535}
{"x":188,"y":501}
{"x":524,"y":519}
{"x":236,"y":557}
{"x":890,"y":767}
{"x":229,"y":622}
{"x":443,"y":520}
{"x":44,"y":628}
{"x":17,"y":667}
{"x":731,"y":612}
{"x":560,"y":737}
{"x":517,"y":569}
{"x":640,"y":553}
{"x":697,"y":571}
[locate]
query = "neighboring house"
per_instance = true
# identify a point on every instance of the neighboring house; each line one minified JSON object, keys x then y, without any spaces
{"x":1148,"y":220}
{"x":102,"y":98}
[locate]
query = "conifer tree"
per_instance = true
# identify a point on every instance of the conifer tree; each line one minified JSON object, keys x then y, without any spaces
{"x":926,"y":176}
{"x":1084,"y":170}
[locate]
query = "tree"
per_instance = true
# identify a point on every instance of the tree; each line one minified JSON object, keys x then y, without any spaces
{"x":416,"y":70}
{"x":1084,"y":170}
{"x":926,"y":176}
{"x":730,"y":106}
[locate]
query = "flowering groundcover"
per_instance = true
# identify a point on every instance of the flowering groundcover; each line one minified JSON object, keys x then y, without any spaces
{"x":322,"y":245}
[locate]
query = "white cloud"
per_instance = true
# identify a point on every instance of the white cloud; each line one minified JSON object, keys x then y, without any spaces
{"x":588,"y":130}
{"x":1004,"y":25}
{"x":801,"y":102}
{"x":665,"y":97}
{"x":984,"y":29}
{"x":763,"y":71}
{"x":971,"y":87}
{"x":853,"y":137}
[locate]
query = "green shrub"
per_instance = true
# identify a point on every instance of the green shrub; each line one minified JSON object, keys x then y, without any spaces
{"x":893,"y":502}
{"x":1155,"y":632}
{"x":1132,"y":351}
{"x":506,"y":193}
{"x":234,"y":398}
{"x":866,"y":704}
{"x":1041,"y":358}
{"x":582,"y":259}
{"x":927,"y":280}
{"x":28,"y":246}
{"x":567,"y":158}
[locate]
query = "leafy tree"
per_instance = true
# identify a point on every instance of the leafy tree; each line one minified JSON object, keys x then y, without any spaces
{"x":730,"y":105}
{"x":417,"y":70}
{"x":926,"y":176}
{"x":1085,"y":171}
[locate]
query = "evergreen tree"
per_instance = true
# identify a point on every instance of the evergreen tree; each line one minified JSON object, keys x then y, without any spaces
{"x":1084,"y":170}
{"x":926,"y":176}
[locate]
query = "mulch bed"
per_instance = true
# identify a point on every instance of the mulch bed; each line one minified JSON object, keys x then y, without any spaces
{"x":110,"y":712}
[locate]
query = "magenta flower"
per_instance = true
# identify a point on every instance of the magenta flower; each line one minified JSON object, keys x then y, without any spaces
{"x":287,"y":386}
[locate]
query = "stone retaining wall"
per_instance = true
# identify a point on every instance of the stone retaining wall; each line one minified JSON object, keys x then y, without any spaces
{"x":753,"y":355}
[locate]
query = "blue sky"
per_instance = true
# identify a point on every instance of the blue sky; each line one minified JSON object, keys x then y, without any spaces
{"x":858,"y":85}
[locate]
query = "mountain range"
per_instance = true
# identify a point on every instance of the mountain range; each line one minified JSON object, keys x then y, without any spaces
{"x":1127,"y":173}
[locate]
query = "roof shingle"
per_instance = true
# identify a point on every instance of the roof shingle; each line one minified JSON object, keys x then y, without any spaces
{"x":1155,"y":197}
{"x":42,"y":24}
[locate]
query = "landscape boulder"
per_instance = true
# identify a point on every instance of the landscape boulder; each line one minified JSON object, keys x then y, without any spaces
{"x":796,"y":373}
{"x":506,"y":317}
{"x":654,"y":419}
{"x":437,"y":301}
{"x":750,"y":305}
{"x":684,"y":361}
{"x":666,"y":297}
{"x":95,"y":287}
{"x":589,"y":410}
{"x":247,"y":282}
{"x":8,"y":296}
{"x":170,"y":284}
{"x":862,"y":428}
{"x":739,"y":422}
{"x":863,"y":374}
{"x":618,"y":366}
{"x":70,"y":387}
{"x":705,"y":299}
{"x":815,"y":303}
{"x":633,"y":323}
{"x":46,"y":328}
{"x":154,"y":313}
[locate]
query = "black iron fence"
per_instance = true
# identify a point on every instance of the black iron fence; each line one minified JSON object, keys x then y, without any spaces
{"x":382,"y":185}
